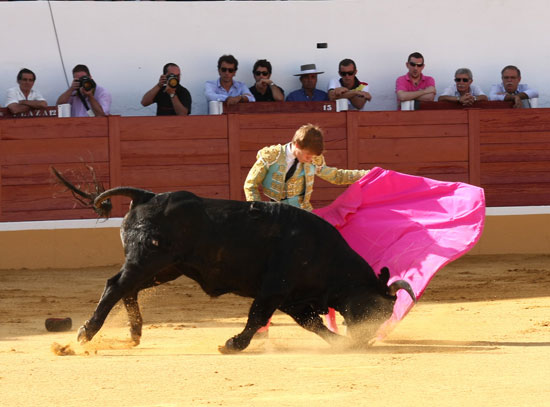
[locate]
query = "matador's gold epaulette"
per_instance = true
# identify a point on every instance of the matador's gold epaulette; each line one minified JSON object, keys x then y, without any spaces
{"x":269,"y":154}
{"x":318,"y":161}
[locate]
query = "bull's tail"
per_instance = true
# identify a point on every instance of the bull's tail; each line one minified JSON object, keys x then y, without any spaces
{"x":85,"y":198}
{"x":98,"y":200}
{"x":137,"y":195}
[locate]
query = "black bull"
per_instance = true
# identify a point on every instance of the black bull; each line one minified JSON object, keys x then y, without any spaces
{"x":283,"y":257}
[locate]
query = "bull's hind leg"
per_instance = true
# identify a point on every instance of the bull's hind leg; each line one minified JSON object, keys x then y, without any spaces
{"x":270,"y":296}
{"x":307,"y":318}
{"x":258,"y":316}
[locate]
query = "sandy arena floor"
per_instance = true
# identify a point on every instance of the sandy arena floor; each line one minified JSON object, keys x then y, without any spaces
{"x":480,"y":336}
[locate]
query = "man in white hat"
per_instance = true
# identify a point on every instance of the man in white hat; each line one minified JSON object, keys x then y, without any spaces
{"x":308,"y":93}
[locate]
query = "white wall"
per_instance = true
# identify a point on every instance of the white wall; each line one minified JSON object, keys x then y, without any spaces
{"x":125,"y":44}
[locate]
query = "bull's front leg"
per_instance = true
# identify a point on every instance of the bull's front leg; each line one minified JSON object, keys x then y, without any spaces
{"x":134,"y":317}
{"x":132,"y":306}
{"x":123,"y":284}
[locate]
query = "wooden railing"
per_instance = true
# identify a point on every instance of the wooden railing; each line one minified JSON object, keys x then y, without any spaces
{"x":480,"y":104}
{"x":507,"y":152}
{"x":280,"y":107}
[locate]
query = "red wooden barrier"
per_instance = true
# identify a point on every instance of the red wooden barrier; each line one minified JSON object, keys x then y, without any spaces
{"x":505,"y":151}
{"x":280,"y":107}
{"x":480,"y":104}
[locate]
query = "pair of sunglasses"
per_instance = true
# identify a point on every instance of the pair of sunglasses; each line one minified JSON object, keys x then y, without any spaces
{"x":414,"y":64}
{"x":350,"y":73}
{"x":230,"y":70}
{"x":457,"y":80}
{"x":262,"y":73}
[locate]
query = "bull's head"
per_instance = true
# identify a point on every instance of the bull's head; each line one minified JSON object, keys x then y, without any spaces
{"x":368,"y":307}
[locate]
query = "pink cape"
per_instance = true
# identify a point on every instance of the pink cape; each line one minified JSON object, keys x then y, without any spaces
{"x":412,"y":225}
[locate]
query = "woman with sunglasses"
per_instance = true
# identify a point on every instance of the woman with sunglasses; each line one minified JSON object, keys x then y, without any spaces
{"x":265,"y":90}
{"x":462,"y":91}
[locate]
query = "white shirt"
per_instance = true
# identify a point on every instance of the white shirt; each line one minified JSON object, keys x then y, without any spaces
{"x":15,"y":95}
{"x":289,"y":157}
{"x":498,"y":92}
{"x":452,"y":91}
{"x":335,"y":83}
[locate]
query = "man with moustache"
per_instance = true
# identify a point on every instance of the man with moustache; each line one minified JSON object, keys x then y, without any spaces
{"x":511,"y":90}
{"x":22,"y":98}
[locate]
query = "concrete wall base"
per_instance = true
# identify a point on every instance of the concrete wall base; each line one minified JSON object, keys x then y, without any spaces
{"x":90,"y":247}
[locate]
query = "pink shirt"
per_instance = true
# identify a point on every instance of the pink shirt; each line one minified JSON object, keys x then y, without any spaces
{"x":404,"y":83}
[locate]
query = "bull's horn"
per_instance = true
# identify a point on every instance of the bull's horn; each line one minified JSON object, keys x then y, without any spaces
{"x":137,"y":195}
{"x":401,"y":285}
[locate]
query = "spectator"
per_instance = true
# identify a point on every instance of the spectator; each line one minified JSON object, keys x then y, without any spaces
{"x":308,"y":92}
{"x":349,"y":87}
{"x":463,"y":92}
{"x":163,"y":93}
{"x":511,"y":89}
{"x":225,"y":89}
{"x":85,"y":96}
{"x":22,"y":98}
{"x":265,"y":90}
{"x":414,"y":85}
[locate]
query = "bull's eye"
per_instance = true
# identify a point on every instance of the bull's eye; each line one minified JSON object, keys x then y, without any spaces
{"x":154,"y":242}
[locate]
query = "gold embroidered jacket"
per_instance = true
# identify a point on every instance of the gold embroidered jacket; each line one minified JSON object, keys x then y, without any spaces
{"x":269,"y":171}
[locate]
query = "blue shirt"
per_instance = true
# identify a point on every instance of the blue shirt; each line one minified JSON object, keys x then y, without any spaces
{"x":299,"y":95}
{"x":214,"y":91}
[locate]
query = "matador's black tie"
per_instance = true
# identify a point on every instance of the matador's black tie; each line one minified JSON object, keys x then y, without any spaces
{"x":291,"y":170}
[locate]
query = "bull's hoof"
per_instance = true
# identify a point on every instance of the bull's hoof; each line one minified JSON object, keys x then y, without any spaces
{"x":372,"y":342}
{"x":81,"y":336}
{"x":227,"y":351}
{"x":136,"y":339}
{"x":229,"y":347}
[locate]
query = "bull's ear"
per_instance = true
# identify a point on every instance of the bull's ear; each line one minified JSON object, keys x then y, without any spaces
{"x":384,"y":276}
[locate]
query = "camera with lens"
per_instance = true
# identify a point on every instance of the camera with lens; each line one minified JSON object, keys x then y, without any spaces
{"x":172,"y":80}
{"x":87,"y":83}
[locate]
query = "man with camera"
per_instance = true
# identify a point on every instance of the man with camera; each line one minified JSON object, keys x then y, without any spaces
{"x":85,"y":96}
{"x":171,"y":98}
